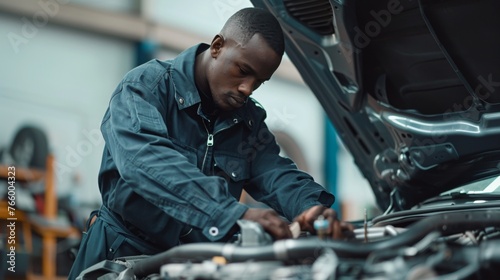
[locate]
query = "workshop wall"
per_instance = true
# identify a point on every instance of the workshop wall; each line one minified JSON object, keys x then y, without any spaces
{"x":60,"y":80}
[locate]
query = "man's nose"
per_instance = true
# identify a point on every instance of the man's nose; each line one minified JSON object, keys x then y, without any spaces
{"x":246,"y":88}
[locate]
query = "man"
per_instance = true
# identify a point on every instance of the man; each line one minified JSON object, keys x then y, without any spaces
{"x":183,"y":139}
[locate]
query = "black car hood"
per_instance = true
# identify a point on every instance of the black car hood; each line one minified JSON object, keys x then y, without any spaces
{"x":412,"y":87}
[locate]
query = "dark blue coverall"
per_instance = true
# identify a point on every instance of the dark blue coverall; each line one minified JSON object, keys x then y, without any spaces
{"x":169,"y":173}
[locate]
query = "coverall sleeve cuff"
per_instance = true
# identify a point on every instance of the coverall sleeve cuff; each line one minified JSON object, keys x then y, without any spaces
{"x":224,"y":220}
{"x":324,"y":198}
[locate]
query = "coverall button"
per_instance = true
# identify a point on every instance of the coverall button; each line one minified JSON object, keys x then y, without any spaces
{"x":235,"y":120}
{"x":181,"y":100}
{"x":233,"y":174}
{"x":213,"y":231}
{"x":250,"y":122}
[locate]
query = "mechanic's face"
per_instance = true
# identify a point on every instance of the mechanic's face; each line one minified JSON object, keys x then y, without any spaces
{"x":237,"y":70}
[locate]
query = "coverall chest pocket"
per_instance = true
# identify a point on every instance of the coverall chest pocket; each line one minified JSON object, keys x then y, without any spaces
{"x":235,"y":169}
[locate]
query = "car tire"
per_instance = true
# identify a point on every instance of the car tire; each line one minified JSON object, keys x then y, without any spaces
{"x":30,"y":148}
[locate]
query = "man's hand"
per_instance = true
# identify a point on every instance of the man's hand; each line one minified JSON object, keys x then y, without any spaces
{"x":270,"y":221}
{"x":337,"y":228}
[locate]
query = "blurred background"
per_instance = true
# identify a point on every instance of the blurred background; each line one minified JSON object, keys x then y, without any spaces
{"x":60,"y":61}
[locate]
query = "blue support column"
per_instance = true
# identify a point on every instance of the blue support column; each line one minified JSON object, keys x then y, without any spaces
{"x":331,"y":150}
{"x":145,"y":51}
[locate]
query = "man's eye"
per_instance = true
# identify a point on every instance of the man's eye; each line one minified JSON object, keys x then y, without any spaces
{"x":242,"y":71}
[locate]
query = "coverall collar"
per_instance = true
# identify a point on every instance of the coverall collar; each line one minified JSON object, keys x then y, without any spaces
{"x":182,"y":74}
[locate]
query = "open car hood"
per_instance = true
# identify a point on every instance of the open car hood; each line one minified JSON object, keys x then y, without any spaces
{"x":412,"y":87}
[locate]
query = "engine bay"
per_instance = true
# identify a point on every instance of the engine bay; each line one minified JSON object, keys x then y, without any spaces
{"x":448,"y":244}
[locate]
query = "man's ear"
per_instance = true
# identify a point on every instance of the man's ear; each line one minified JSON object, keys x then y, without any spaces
{"x":216,"y":45}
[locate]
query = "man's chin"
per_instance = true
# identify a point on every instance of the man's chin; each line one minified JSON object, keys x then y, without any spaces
{"x":230,"y":104}
{"x":225,"y":107}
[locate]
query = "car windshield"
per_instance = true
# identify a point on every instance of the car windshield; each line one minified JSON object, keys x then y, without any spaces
{"x":490,"y":185}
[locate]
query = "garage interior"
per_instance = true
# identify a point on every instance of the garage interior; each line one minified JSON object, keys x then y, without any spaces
{"x":61,"y":60}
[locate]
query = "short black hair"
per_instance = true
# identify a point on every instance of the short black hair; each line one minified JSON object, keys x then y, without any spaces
{"x":249,"y":21}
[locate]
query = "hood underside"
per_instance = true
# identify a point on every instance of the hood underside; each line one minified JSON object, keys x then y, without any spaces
{"x":412,"y":87}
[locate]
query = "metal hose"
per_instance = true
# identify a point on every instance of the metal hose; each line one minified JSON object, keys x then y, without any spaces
{"x":293,"y":249}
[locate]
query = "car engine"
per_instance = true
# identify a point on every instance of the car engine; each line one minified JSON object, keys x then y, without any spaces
{"x":458,"y":242}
